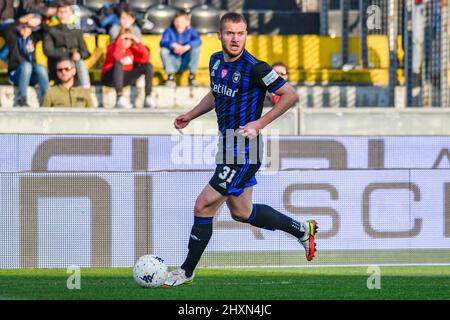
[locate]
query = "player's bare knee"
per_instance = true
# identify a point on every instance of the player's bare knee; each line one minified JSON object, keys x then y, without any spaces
{"x":201,"y":209}
{"x":198,"y":209}
{"x":239,"y":216}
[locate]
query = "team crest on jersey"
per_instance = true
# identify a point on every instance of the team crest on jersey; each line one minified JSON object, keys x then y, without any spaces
{"x":236,"y":77}
{"x":224,"y":73}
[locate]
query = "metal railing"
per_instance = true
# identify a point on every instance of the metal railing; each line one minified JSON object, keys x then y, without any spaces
{"x":418,"y":33}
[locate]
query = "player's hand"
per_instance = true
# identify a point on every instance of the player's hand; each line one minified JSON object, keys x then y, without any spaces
{"x":251,"y":130}
{"x":181,"y":121}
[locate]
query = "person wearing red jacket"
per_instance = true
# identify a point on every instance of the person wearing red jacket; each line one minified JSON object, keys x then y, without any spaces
{"x":271,"y":99}
{"x":126,"y":60}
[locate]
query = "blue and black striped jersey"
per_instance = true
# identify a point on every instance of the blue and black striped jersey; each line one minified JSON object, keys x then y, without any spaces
{"x":239,"y":88}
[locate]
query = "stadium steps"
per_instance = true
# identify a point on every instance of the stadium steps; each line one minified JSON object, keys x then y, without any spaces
{"x":184,"y":97}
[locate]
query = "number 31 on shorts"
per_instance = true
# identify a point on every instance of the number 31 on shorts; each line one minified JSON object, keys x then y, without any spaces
{"x":227,"y":172}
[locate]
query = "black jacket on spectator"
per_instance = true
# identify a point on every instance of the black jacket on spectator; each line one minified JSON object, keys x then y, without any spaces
{"x":17,"y":53}
{"x":6,"y":10}
{"x":61,"y":42}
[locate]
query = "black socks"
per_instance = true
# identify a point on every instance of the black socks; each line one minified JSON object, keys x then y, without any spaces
{"x":200,"y":234}
{"x":262,"y":216}
{"x":267,"y":217}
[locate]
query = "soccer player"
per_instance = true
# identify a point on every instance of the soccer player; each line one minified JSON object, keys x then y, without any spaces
{"x":238,"y":86}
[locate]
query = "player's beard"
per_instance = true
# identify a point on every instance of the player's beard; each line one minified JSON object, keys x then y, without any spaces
{"x":232,"y":55}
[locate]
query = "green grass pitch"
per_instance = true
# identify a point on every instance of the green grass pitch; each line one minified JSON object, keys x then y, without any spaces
{"x":405,"y":282}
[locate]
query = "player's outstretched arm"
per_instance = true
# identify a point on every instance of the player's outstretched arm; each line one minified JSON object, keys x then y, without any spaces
{"x":204,"y":106}
{"x":288,"y":98}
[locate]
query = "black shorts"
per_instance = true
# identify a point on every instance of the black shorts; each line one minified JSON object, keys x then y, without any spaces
{"x":232,"y":179}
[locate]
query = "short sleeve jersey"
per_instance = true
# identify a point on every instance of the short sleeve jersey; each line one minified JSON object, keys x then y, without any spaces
{"x":239,"y":88}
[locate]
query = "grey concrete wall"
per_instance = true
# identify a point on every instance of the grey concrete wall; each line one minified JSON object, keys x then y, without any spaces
{"x":137,"y":121}
{"x":375,"y":121}
{"x":304,"y":121}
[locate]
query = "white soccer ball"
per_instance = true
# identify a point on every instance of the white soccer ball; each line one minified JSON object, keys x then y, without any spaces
{"x":150,"y":271}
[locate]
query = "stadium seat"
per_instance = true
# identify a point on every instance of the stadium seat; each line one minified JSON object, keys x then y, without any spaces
{"x":85,"y":11}
{"x":91,"y":42}
{"x":103,"y":42}
{"x":3,"y":66}
{"x":308,"y":57}
{"x":185,"y":4}
{"x":142,"y":5}
{"x":157,"y":18}
{"x":234,"y":5}
{"x":41,"y":58}
{"x":98,"y":4}
{"x":204,"y":18}
{"x":91,"y":45}
{"x":152,"y":42}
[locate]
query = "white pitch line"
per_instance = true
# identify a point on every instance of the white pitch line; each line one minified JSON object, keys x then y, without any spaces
{"x":336,"y":265}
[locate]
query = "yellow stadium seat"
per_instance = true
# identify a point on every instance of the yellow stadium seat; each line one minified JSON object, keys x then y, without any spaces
{"x":103,"y":42}
{"x":308,"y":57}
{"x":41,"y":58}
{"x":210,"y":45}
{"x":2,"y":65}
{"x":91,"y":42}
{"x":378,"y":51}
{"x":152,"y":42}
{"x":91,"y":45}
{"x":400,"y":51}
{"x":310,"y":47}
{"x":293,"y":55}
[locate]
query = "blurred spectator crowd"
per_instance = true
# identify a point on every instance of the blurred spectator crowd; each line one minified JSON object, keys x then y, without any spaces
{"x":61,"y":24}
